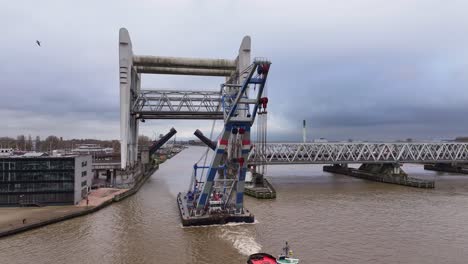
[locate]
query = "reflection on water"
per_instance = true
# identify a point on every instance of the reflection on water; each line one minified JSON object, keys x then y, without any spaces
{"x":326,"y":218}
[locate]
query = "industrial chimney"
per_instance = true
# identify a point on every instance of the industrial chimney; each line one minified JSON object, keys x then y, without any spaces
{"x":304,"y":133}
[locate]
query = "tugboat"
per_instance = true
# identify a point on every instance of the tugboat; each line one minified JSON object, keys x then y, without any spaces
{"x":284,"y":258}
{"x":261,"y":258}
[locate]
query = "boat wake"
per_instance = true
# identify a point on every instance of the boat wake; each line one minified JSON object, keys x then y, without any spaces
{"x":241,"y":239}
{"x":238,"y":234}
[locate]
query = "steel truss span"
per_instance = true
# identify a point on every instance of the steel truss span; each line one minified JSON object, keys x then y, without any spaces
{"x":345,"y":153}
{"x":163,"y":104}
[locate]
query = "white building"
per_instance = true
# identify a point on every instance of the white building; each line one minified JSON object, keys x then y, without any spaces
{"x":91,"y":149}
{"x":83,"y":177}
{"x":320,"y":140}
{"x":34,"y":154}
{"x":5,"y":152}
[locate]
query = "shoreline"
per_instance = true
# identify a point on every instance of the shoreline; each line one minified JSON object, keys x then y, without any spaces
{"x":76,"y":212}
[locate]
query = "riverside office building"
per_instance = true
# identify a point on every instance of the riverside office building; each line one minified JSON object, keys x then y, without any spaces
{"x":44,"y":180}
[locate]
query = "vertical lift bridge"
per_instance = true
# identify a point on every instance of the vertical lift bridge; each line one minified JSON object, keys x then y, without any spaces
{"x":218,"y":196}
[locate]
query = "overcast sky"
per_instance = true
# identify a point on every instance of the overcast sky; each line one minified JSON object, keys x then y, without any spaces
{"x":361,"y":69}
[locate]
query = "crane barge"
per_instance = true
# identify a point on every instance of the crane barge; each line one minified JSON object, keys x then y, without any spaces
{"x":217,"y":196}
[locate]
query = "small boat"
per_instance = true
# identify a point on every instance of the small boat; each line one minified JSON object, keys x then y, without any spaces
{"x":284,"y":258}
{"x":261,"y":258}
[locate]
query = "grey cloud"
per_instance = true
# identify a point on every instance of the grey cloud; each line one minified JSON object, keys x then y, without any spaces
{"x":361,"y":69}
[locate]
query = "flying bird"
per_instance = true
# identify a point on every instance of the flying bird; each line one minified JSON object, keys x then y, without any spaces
{"x":38,"y":43}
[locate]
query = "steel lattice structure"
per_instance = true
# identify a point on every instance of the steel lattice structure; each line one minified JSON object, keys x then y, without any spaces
{"x":345,"y":153}
{"x":175,"y":104}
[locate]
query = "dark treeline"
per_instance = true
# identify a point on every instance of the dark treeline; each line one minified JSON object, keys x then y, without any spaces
{"x":28,"y":143}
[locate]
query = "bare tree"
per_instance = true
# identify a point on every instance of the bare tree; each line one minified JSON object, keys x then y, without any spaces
{"x":21,"y":142}
{"x":29,"y":143}
{"x":38,"y":144}
{"x":51,"y":143}
{"x":116,"y":146}
{"x":7,"y":142}
{"x":144,"y":140}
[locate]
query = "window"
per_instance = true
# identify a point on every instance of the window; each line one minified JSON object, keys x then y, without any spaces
{"x":83,"y":183}
{"x":83,"y":173}
{"x":84,"y":163}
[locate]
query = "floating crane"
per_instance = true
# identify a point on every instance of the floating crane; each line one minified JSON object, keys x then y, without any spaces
{"x":218,"y":196}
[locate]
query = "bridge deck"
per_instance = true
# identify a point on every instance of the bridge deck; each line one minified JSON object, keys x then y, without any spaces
{"x":346,"y":153}
{"x":168,"y":104}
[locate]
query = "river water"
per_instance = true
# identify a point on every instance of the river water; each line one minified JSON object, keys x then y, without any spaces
{"x":327,"y":218}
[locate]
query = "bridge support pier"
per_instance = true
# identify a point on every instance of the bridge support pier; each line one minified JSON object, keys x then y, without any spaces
{"x":386,"y":169}
{"x":448,"y":167}
{"x":260,"y":187}
{"x":384,"y":172}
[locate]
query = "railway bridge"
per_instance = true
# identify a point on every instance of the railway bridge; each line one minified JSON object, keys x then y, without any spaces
{"x":379,"y":161}
{"x":366,"y":152}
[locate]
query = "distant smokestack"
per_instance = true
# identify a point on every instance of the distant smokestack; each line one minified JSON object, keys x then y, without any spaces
{"x":304,"y":132}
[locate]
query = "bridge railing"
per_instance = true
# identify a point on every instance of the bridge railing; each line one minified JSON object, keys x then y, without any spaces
{"x":344,"y":153}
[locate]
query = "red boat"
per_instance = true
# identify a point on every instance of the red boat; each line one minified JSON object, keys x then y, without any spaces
{"x":261,"y":258}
